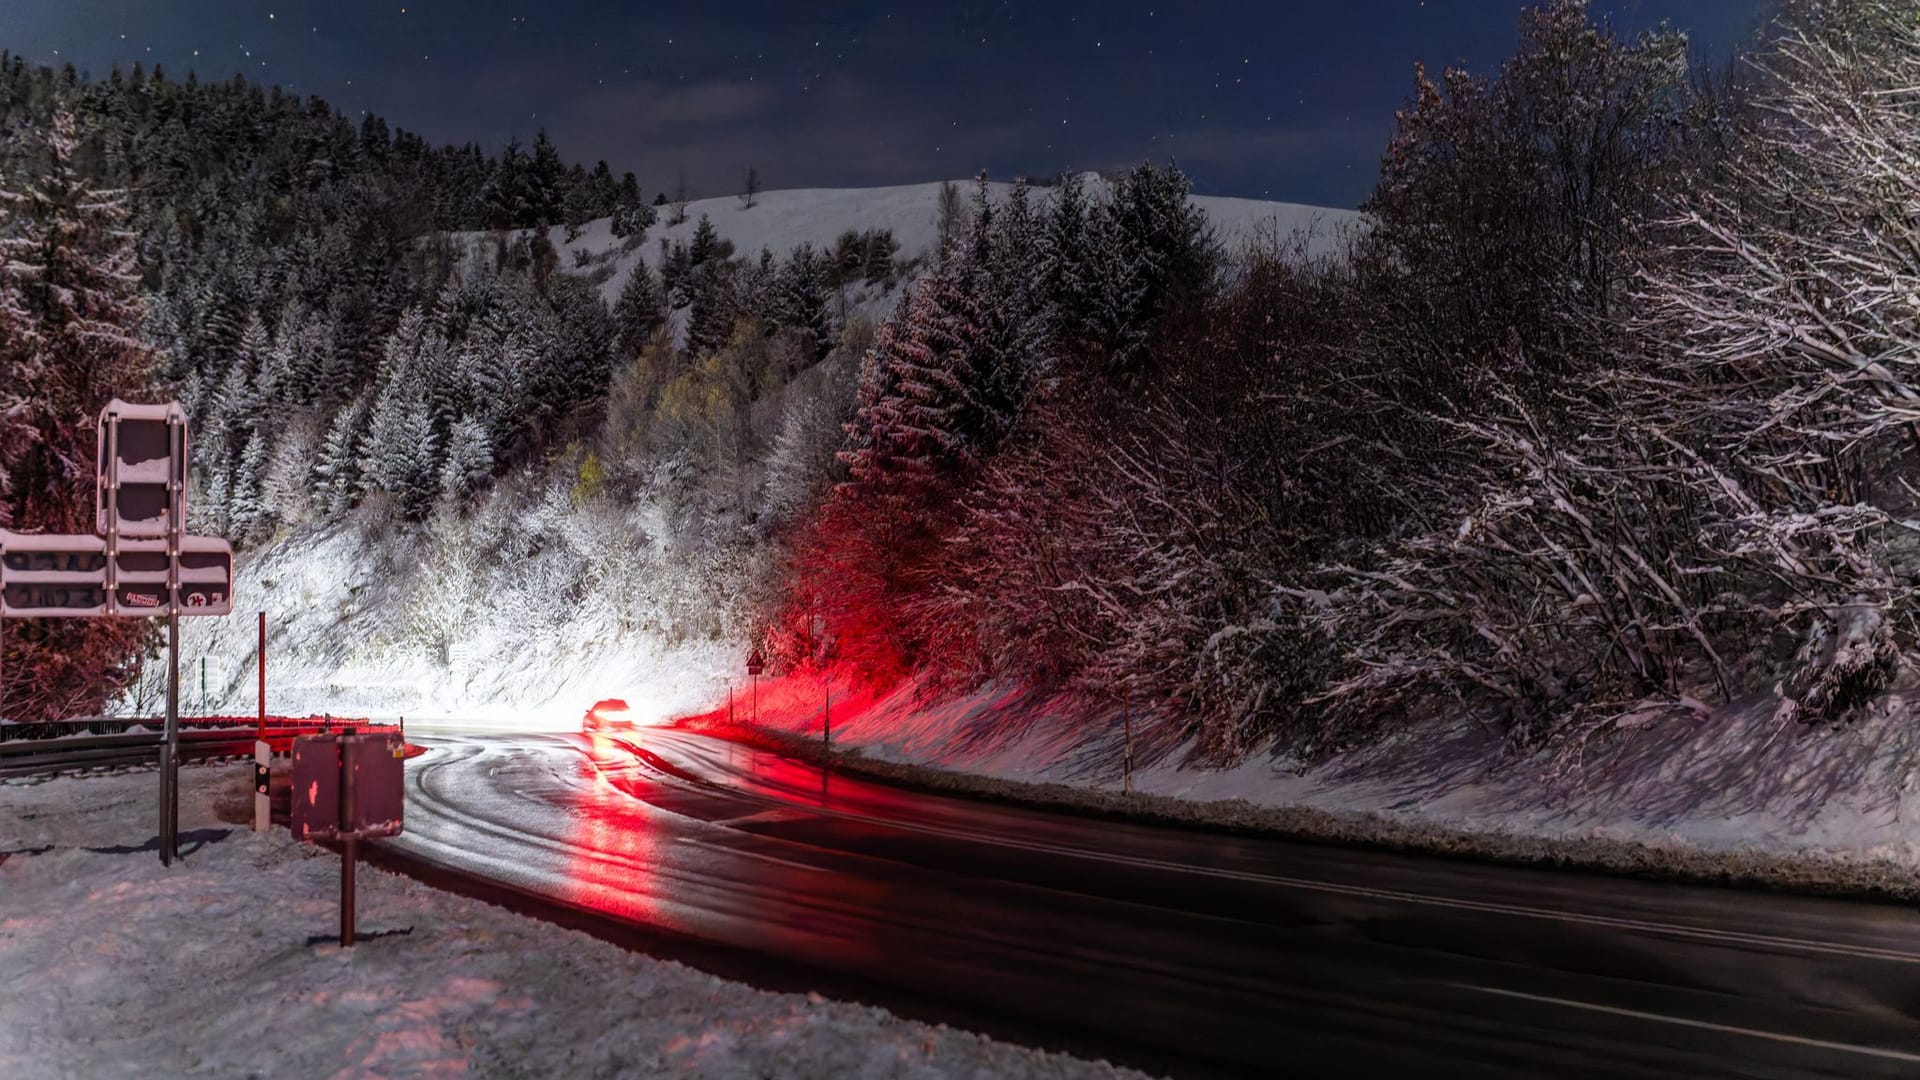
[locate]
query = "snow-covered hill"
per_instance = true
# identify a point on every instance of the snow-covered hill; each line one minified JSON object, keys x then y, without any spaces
{"x":779,"y":221}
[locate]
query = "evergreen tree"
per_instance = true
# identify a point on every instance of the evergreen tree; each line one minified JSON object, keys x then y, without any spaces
{"x":337,"y":473}
{"x":706,"y":243}
{"x":545,"y":182}
{"x":402,"y":451}
{"x":469,"y":460}
{"x":800,"y":298}
{"x":1161,"y":254}
{"x":639,"y":313}
{"x":920,"y":421}
{"x":69,"y":322}
{"x":1066,"y":273}
{"x":251,"y":516}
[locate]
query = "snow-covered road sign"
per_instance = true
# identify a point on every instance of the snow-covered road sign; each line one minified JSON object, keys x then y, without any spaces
{"x":142,"y":470}
{"x":71,"y":577}
{"x":142,"y":564}
{"x":52,"y":576}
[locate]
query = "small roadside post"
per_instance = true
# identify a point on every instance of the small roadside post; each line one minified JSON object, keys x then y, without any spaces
{"x":348,"y":787}
{"x":755,"y":664}
{"x":262,"y":749}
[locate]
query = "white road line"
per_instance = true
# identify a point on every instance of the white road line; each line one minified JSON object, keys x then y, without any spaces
{"x":1725,"y":937}
{"x":1705,"y":1025}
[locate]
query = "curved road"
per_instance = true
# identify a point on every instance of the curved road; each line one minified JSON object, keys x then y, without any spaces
{"x":1179,"y":951}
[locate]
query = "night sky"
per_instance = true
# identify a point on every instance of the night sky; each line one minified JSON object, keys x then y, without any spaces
{"x":1262,"y":98}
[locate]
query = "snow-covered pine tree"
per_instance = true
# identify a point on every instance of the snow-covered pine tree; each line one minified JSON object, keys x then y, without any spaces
{"x":639,"y":312}
{"x":1066,"y":273}
{"x":705,"y":245}
{"x":920,"y":418}
{"x":402,"y":450}
{"x":1158,"y":252}
{"x":337,"y":473}
{"x":250,"y":516}
{"x":469,"y":461}
{"x":801,"y":299}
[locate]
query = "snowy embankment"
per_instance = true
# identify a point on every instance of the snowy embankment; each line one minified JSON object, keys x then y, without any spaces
{"x":222,"y":965}
{"x":1730,"y":795}
{"x":405,"y":623}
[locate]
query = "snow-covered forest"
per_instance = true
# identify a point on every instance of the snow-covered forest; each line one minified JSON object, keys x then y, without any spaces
{"x":1604,"y":411}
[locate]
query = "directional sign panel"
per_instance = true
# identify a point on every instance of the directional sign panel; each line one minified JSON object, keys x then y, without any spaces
{"x":52,"y":576}
{"x":206,"y":576}
{"x":142,"y":469}
{"x":70,"y":577}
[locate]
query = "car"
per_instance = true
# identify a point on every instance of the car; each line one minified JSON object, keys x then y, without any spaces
{"x":609,"y":714}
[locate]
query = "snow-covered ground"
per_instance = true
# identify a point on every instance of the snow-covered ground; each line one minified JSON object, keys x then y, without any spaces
{"x":112,"y":965}
{"x":781,"y":220}
{"x":383,"y":626}
{"x":1734,"y":791}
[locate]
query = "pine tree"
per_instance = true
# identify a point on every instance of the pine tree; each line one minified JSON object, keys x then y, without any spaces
{"x":1066,"y":272}
{"x":401,"y":450}
{"x":252,"y":519}
{"x":69,"y":323}
{"x":337,"y":475}
{"x":705,"y":245}
{"x":801,"y":300}
{"x":469,"y":461}
{"x":1161,"y":252}
{"x":920,"y":420}
{"x":639,"y":313}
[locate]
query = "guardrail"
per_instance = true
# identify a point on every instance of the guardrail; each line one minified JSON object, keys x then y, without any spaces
{"x":19,"y":756}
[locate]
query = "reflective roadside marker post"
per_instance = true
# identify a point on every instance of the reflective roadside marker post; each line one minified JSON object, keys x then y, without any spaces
{"x":262,"y":775}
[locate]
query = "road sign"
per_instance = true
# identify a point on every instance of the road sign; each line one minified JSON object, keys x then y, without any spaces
{"x":52,"y":576}
{"x":71,"y":577}
{"x":755,"y":664}
{"x":142,"y":475}
{"x":142,"y":564}
{"x":205,"y":577}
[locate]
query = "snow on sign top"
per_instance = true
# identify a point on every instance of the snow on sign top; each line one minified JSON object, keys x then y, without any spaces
{"x":142,"y":467}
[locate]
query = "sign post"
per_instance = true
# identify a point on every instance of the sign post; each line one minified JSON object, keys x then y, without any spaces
{"x":754,"y":666}
{"x":347,"y":787}
{"x":141,"y":564}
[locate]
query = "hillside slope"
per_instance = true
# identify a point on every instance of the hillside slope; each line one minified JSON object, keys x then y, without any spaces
{"x":779,"y":221}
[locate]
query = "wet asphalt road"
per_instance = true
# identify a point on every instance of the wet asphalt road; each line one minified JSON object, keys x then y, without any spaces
{"x":1179,"y":951}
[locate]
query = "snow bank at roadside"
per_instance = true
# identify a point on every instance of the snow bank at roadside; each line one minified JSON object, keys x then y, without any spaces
{"x":1732,"y":794}
{"x":113,"y":965}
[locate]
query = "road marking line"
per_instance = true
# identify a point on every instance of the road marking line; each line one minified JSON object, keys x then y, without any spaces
{"x":1865,"y":952}
{"x":1707,"y":1025}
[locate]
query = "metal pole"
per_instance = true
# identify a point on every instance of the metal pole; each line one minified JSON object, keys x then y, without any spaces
{"x":3,"y":667}
{"x":1126,"y":715}
{"x":756,"y":701}
{"x":170,"y":755}
{"x":352,"y":853}
{"x":262,"y":696}
{"x":170,"y":748}
{"x":826,"y":721}
{"x":203,"y":686}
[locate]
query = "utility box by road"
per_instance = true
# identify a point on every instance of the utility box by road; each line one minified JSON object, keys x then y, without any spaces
{"x":347,"y":786}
